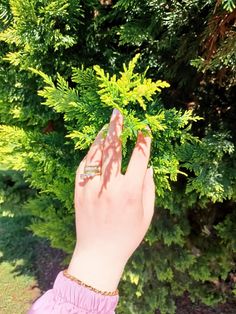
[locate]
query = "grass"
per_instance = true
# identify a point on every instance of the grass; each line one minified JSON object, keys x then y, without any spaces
{"x":16,"y":290}
{"x":17,"y":247}
{"x":28,"y":265}
{"x":18,"y":283}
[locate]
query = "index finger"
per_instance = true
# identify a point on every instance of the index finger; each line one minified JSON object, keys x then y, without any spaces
{"x":139,"y":160}
{"x":112,"y":150}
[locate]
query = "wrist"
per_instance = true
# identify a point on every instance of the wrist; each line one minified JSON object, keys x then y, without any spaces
{"x":96,"y":269}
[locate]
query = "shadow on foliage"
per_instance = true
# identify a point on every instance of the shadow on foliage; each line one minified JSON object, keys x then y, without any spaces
{"x":29,"y":254}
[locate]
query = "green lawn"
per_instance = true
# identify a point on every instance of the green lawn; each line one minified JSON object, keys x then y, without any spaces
{"x":17,"y":291}
{"x":18,"y":286}
{"x":28,"y":265}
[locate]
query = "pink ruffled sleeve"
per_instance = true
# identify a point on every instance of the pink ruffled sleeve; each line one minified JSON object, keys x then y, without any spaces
{"x":68,"y":297}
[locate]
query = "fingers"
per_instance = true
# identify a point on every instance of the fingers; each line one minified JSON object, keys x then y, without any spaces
{"x":93,"y":158}
{"x":148,"y":197}
{"x":78,"y":180}
{"x":112,"y":150}
{"x":94,"y":155}
{"x":80,"y":170}
{"x":137,"y":167}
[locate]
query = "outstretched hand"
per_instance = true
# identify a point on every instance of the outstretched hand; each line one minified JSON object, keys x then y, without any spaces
{"x":113,"y":211}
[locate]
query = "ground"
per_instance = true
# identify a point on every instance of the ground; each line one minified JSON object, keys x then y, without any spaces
{"x":17,"y":292}
{"x":28,"y":267}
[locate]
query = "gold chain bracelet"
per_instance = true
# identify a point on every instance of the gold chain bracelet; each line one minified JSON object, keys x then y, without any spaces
{"x":67,"y":275}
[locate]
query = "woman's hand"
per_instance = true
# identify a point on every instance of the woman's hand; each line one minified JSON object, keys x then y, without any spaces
{"x":113,"y":211}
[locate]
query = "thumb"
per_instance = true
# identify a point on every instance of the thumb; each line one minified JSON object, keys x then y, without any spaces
{"x":148,"y":196}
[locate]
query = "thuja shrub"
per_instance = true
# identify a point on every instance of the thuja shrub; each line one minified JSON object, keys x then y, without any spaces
{"x":168,"y":263}
{"x":54,"y":99}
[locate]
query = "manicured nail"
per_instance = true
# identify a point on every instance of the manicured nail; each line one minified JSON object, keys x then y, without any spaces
{"x":115,"y":112}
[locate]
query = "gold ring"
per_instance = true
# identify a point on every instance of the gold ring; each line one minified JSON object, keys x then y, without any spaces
{"x":92,"y":166}
{"x":89,"y":175}
{"x":92,"y":169}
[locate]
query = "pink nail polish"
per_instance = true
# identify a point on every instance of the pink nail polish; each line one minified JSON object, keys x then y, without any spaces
{"x":115,"y":112}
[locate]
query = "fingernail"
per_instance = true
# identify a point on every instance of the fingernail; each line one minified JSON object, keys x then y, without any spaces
{"x":115,"y":112}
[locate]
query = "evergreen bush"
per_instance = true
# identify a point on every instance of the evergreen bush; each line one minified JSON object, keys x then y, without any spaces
{"x":60,"y":76}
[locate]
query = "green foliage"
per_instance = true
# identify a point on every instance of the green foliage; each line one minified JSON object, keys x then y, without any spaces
{"x":215,"y":178}
{"x":229,"y":5}
{"x":60,"y":78}
{"x":227,"y":232}
{"x":130,"y":88}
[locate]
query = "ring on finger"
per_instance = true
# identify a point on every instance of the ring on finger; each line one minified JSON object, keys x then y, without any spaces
{"x":92,"y":169}
{"x":88,"y":175}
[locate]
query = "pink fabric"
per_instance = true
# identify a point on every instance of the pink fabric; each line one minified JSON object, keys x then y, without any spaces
{"x":68,"y":297}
